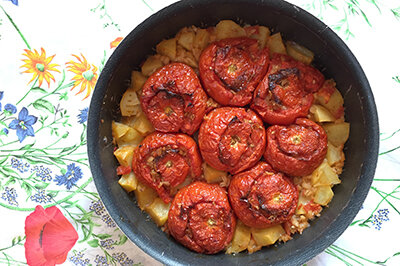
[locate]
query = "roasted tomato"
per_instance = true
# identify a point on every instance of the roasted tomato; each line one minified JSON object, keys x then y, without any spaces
{"x":163,"y":161}
{"x":173,"y":99}
{"x":230,"y":69}
{"x":232,"y":139}
{"x":201,"y":218}
{"x":285,"y":93}
{"x":297,"y":149}
{"x":262,"y":197}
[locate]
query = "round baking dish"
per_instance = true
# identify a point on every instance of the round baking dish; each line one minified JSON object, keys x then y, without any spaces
{"x":332,"y":57}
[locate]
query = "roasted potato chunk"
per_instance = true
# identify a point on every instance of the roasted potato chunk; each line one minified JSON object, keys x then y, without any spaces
{"x":129,"y":104}
{"x":128,"y":182}
{"x":213,"y":175}
{"x":158,"y":211}
{"x":275,"y":44}
{"x":298,"y":52}
{"x":124,"y":155}
{"x":151,"y":65}
{"x":137,"y":80}
{"x":228,"y":29}
{"x":338,"y":133}
{"x":144,"y":195}
{"x":241,"y":238}
{"x":143,"y":125}
{"x":323,"y":195}
{"x":267,"y":236}
{"x":321,"y":114}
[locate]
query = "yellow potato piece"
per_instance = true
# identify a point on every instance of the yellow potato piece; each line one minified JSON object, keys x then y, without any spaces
{"x":275,"y":44}
{"x":129,"y":104}
{"x":331,"y":98}
{"x":253,"y":247}
{"x":298,"y":52}
{"x":201,"y":40}
{"x":151,"y":65}
{"x":303,"y":200}
{"x":132,"y":137}
{"x":324,"y":175}
{"x":338,"y":133}
{"x":186,"y":39}
{"x":321,"y":114}
{"x":144,"y":195}
{"x":128,"y":182}
{"x":137,"y":80}
{"x":118,"y":130}
{"x":158,"y":211}
{"x":143,"y":125}
{"x":267,"y":236}
{"x":167,"y":48}
{"x":334,"y":154}
{"x":240,"y":240}
{"x":124,"y":155}
{"x":213,"y":175}
{"x":323,"y":195}
{"x":228,"y":29}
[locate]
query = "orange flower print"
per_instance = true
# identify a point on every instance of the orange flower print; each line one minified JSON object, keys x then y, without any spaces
{"x":86,"y":75}
{"x":39,"y":65}
{"x":115,"y":43}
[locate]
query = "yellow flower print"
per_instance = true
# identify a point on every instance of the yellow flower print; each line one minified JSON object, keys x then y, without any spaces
{"x":86,"y":75}
{"x":39,"y":65}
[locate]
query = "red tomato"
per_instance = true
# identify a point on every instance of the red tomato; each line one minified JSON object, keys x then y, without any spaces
{"x":232,"y":139}
{"x":201,"y":218}
{"x":262,"y":197}
{"x":230,"y":69}
{"x":122,"y":170}
{"x":297,"y":149}
{"x":163,"y":161}
{"x":284,"y":94}
{"x":173,"y":99}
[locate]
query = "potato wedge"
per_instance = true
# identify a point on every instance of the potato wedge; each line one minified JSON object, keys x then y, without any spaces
{"x":132,"y":137}
{"x":267,"y":236}
{"x":124,"y":155}
{"x":321,"y":114}
{"x":128,"y":182}
{"x":186,"y":38}
{"x":143,"y":125}
{"x":167,"y":48}
{"x":275,"y":44}
{"x":158,"y":211}
{"x":151,"y":65}
{"x":323,"y":195}
{"x":118,"y":130}
{"x":334,"y":154}
{"x":129,"y":104}
{"x":144,"y":195}
{"x":137,"y":80}
{"x":228,"y":29}
{"x":253,"y":246}
{"x":338,"y":133}
{"x":324,"y":175}
{"x":241,"y":238}
{"x":298,"y":52}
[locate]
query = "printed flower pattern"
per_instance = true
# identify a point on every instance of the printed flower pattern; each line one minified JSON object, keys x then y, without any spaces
{"x":23,"y":125}
{"x":49,"y":237}
{"x":40,"y":66}
{"x":86,"y":74}
{"x":72,"y":175}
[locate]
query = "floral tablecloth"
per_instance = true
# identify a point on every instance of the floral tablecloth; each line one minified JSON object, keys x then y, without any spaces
{"x":51,"y":55}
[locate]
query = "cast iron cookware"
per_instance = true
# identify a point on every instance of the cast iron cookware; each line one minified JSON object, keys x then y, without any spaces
{"x":332,"y":57}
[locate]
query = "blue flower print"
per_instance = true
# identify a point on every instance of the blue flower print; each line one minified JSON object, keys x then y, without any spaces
{"x":82,"y":117}
{"x":5,"y":131}
{"x":11,"y":108}
{"x":23,"y":124}
{"x":10,"y":195}
{"x":15,"y":2}
{"x":1,"y":98}
{"x":73,"y":174}
{"x":381,"y":216}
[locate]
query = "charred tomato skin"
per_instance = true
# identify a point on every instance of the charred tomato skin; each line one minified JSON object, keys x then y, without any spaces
{"x":164,"y":160}
{"x":285,"y":93}
{"x":232,"y":139}
{"x":173,"y":99}
{"x":297,"y":149}
{"x":201,"y":219}
{"x":230,"y":70}
{"x":262,"y":197}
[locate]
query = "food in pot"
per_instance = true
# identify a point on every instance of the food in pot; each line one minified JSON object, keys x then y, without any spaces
{"x":234,"y":94}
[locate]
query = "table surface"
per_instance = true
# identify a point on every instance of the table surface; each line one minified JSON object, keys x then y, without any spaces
{"x":51,"y":55}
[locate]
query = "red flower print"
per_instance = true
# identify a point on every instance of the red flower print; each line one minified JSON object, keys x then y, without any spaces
{"x":49,"y":237}
{"x":115,"y":43}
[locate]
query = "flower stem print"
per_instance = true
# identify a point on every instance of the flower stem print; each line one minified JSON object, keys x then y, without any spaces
{"x":397,"y":78}
{"x":102,"y":9}
{"x":145,"y":2}
{"x":16,"y":27}
{"x":349,"y":258}
{"x":396,"y":12}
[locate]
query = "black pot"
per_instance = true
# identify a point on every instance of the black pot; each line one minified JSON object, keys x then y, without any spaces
{"x":332,"y":57}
